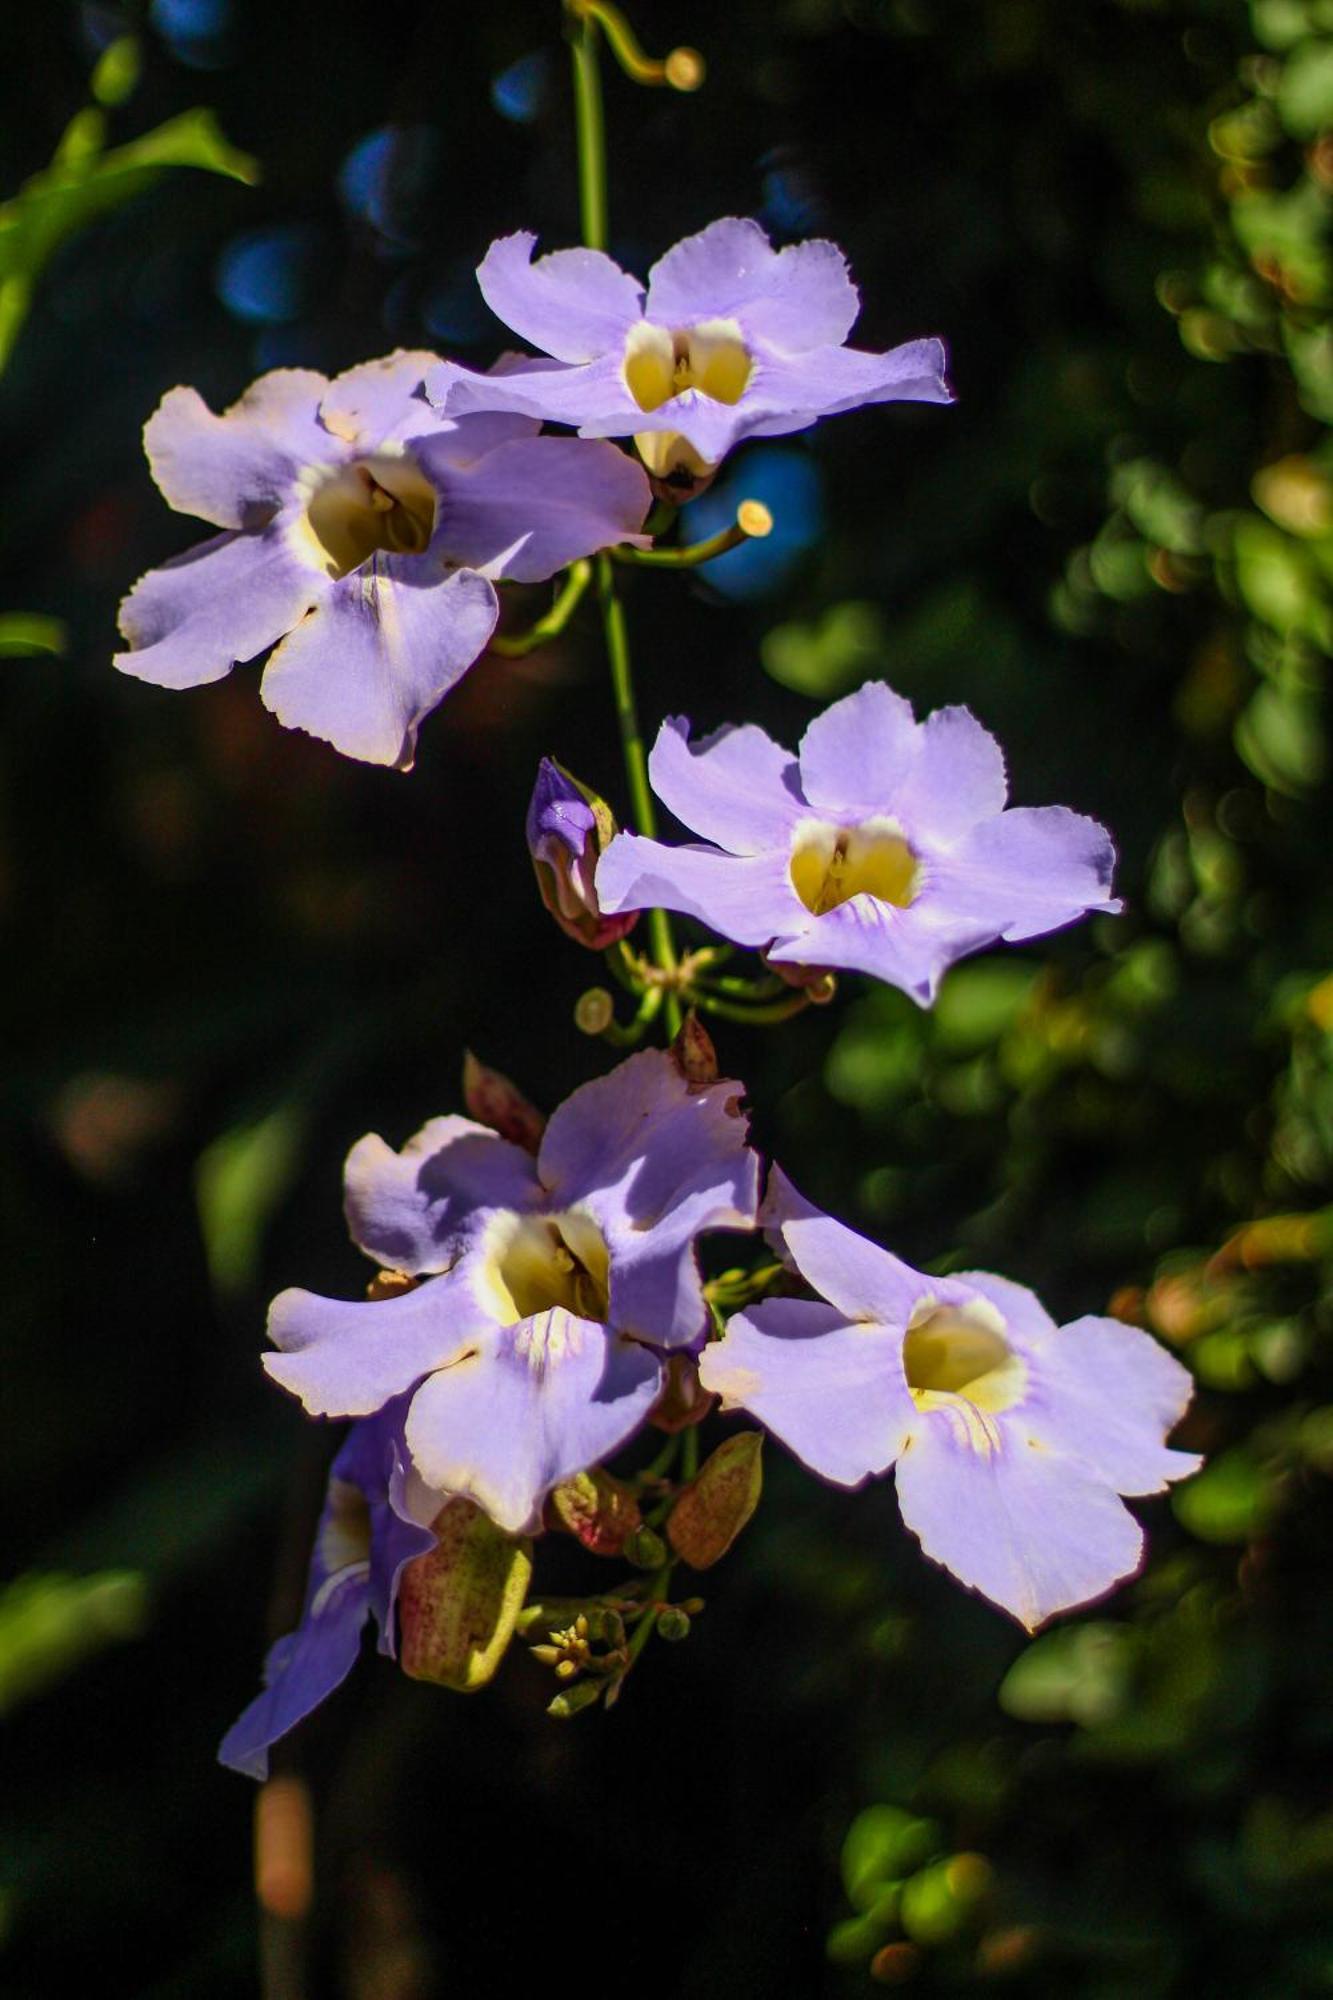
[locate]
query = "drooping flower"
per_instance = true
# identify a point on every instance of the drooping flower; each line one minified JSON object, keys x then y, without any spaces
{"x":548,"y":1285}
{"x":733,"y":340}
{"x":364,"y":1540}
{"x":568,"y":829}
{"x":885,"y":849}
{"x":1011,"y":1439}
{"x":363,"y":536}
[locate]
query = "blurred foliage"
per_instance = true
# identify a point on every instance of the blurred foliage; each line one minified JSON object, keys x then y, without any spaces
{"x":236,"y":954}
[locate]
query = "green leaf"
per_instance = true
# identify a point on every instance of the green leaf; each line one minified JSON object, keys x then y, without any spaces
{"x":1078,"y":1674}
{"x":26,"y":632}
{"x":1305,"y":93}
{"x":1229,"y":1501}
{"x":50,"y":1624}
{"x":239,"y":1181}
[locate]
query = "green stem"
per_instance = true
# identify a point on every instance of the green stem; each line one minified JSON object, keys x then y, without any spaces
{"x":689,"y":1457}
{"x":692,"y":556}
{"x":753,"y":1017}
{"x":549,"y":626}
{"x":658,"y":1585}
{"x":591,"y":128}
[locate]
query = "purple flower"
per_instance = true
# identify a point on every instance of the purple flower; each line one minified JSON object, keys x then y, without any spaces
{"x":568,"y":828}
{"x":1011,"y":1438}
{"x":548,"y":1285}
{"x":365,"y":533}
{"x":734,"y":340}
{"x":886,"y":849}
{"x":364,"y":1540}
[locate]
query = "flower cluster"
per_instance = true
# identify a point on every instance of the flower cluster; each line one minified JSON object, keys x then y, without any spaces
{"x":539,"y":1297}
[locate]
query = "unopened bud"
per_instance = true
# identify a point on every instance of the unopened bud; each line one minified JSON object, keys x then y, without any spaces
{"x":675,"y":470}
{"x":458,"y":1603}
{"x":753,"y":519}
{"x":493,"y":1100}
{"x":570,"y":1700}
{"x":645,"y":1549}
{"x":684,"y":1400}
{"x":693,"y":1052}
{"x":594,"y":1011}
{"x":569,"y":828}
{"x":716,"y":1505}
{"x":599,"y":1511}
{"x":685,"y":69}
{"x":673,"y":1623}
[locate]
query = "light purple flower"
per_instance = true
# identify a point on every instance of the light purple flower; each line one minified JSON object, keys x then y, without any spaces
{"x":364,"y":1540}
{"x":733,"y":340}
{"x":568,"y":828}
{"x":364,"y":532}
{"x":886,"y":849}
{"x":548,"y":1286}
{"x":1011,"y":1438}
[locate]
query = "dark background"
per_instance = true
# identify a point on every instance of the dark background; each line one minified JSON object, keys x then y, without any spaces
{"x":230,"y":953}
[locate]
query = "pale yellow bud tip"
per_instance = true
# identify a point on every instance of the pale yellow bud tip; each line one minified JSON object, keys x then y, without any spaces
{"x":685,"y":69}
{"x":753,"y":519}
{"x":594,"y":1011}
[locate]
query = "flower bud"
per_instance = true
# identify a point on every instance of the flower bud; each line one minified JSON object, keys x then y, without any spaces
{"x":684,"y":1400}
{"x":599,"y":1511}
{"x":492,"y":1099}
{"x":693,"y":1053}
{"x":645,"y":1549}
{"x":569,"y":828}
{"x":458,"y":1603}
{"x":673,"y":1623}
{"x":571,"y":1699}
{"x":716,"y":1505}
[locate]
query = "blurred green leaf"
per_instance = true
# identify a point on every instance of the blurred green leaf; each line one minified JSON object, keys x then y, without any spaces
{"x":116,"y":76}
{"x":882,"y":1843}
{"x":1229,"y":1501}
{"x":1305,"y":94}
{"x":239,"y":1181}
{"x":50,"y":1624}
{"x":1077,"y":1674}
{"x":827,"y":658}
{"x":27,"y":632}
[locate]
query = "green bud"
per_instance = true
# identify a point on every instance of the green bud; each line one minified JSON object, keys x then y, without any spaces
{"x":458,"y":1604}
{"x":673,"y":1623}
{"x":716,"y":1505}
{"x":645,"y":1549}
{"x":570,"y":1700}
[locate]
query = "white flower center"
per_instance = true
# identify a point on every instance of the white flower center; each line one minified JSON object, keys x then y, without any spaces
{"x":381,"y":502}
{"x":662,"y":362}
{"x":830,"y":863}
{"x":957,"y":1358}
{"x":533,"y":1263}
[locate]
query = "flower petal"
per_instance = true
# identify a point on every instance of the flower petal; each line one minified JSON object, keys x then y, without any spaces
{"x":856,"y":756}
{"x":956,"y":777}
{"x":833,"y":1393}
{"x":383,"y":650}
{"x":655,"y":1161}
{"x":1107,"y":1396}
{"x":1030,"y":870}
{"x":736,"y":787}
{"x":529,"y":508}
{"x":302,"y":1670}
{"x":377,"y":402}
{"x":593,"y":397}
{"x":1028,"y":1528}
{"x":797,"y":298}
{"x":904,"y":948}
{"x":532,"y":1405}
{"x":236,"y":470}
{"x":785,"y":393}
{"x":748,"y":898}
{"x":230,"y":598}
{"x":862,"y":1280}
{"x":347,"y":1359}
{"x":411,"y":1210}
{"x":573,"y":304}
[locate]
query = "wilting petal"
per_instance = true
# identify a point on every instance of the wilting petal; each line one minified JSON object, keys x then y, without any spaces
{"x":737,"y":786}
{"x":301,"y":1671}
{"x":856,"y":755}
{"x":833,"y":1393}
{"x":1031,"y":870}
{"x":956,"y":776}
{"x":748,"y":898}
{"x":1106,"y":1396}
{"x":347,"y":1359}
{"x":536,"y":1403}
{"x":1027,"y":1527}
{"x":529,"y":508}
{"x":377,"y":403}
{"x":383,"y":650}
{"x":227,"y":600}
{"x":797,"y":298}
{"x":573,"y":304}
{"x":237,"y":469}
{"x":410,"y":1210}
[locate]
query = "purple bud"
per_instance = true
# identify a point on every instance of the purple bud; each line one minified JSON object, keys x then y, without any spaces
{"x":569,"y":828}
